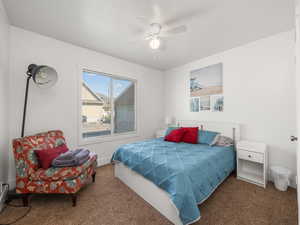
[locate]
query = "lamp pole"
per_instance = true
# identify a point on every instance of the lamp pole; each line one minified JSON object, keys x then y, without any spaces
{"x":29,"y":73}
{"x":25,"y":103}
{"x":34,"y":72}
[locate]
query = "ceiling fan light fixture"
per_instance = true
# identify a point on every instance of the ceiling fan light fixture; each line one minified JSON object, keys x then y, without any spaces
{"x":154,"y":43}
{"x":155,"y":28}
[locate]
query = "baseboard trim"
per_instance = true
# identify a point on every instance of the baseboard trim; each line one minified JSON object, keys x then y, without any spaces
{"x":106,"y":160}
{"x":103,"y":161}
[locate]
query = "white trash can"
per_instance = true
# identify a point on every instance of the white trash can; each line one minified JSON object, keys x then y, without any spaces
{"x":281,"y":177}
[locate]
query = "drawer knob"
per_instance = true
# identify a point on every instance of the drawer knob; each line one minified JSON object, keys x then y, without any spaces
{"x":249,"y":156}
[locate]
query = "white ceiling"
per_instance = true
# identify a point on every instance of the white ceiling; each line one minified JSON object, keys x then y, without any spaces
{"x":112,"y":27}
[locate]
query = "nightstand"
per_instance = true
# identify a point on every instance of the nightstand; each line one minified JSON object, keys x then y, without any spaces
{"x":160,"y":133}
{"x":252,"y":162}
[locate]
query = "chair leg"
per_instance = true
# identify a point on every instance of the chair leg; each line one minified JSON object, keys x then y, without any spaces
{"x":74,"y":199}
{"x":25,"y":200}
{"x":94,"y":177}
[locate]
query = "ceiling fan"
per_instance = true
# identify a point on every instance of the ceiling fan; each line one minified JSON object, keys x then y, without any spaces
{"x":156,"y":32}
{"x":162,"y":26}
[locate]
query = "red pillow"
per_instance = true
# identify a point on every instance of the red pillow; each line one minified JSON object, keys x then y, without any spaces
{"x":46,"y":156}
{"x":175,"y":135}
{"x":190,"y":135}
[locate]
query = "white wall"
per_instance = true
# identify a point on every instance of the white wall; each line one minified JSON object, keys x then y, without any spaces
{"x":57,"y":108}
{"x":258,"y":89}
{"x":259,"y":93}
{"x":4,"y":71}
{"x":297,"y":84}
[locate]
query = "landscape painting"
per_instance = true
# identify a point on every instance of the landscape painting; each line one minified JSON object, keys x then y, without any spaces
{"x":217,"y":103}
{"x":205,"y":103}
{"x":207,"y":81}
{"x":194,"y":104}
{"x":206,"y":89}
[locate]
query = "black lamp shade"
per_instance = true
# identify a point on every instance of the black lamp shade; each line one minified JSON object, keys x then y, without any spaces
{"x":43,"y":76}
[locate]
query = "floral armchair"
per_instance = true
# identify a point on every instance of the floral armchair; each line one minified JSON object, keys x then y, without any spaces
{"x":32,"y":179}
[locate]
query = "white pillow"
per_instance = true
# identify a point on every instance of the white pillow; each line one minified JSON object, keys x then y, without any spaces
{"x":216,"y":139}
{"x":224,"y":141}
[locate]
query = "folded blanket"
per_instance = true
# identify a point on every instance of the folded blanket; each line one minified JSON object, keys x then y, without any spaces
{"x":72,"y":154}
{"x":69,"y":163}
{"x":72,"y":158}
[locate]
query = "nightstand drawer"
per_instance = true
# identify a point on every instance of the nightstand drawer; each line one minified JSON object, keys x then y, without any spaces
{"x":251,"y":156}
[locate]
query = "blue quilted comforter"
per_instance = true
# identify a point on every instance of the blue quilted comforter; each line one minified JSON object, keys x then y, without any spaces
{"x":188,"y":172}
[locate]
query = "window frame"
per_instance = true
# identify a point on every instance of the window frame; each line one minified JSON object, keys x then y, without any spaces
{"x":113,"y":136}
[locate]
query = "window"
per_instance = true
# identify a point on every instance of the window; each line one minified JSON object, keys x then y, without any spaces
{"x":107,"y":105}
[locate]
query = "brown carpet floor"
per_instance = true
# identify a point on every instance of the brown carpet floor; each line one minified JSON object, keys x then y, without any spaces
{"x":109,"y":201}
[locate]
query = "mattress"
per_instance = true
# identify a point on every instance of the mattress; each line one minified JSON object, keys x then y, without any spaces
{"x":189,"y":173}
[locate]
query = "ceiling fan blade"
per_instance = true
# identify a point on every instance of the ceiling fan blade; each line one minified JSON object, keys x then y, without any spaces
{"x":138,"y":38}
{"x":148,"y":37}
{"x":143,"y":21}
{"x":177,"y":30}
{"x":136,"y":30}
{"x":187,"y":17}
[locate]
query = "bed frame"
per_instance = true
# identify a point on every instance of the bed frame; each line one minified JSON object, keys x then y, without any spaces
{"x":154,"y":195}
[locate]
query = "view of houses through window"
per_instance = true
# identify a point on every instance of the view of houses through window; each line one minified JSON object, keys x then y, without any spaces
{"x":107,"y":105}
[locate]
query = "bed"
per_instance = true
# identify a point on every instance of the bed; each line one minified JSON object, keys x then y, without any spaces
{"x":175,"y":177}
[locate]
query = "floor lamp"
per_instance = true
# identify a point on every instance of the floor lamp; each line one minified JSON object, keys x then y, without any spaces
{"x":43,"y":77}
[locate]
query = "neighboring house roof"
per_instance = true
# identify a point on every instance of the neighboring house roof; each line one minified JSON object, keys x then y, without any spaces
{"x":124,"y":92}
{"x":103,"y":97}
{"x":97,"y":99}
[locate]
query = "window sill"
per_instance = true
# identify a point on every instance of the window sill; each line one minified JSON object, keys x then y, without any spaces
{"x":116,"y":137}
